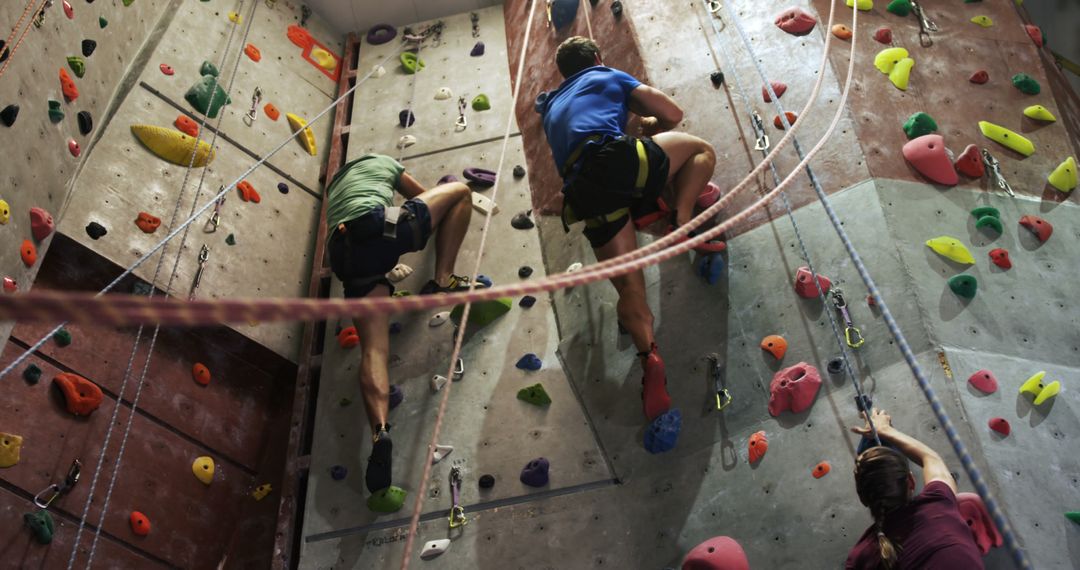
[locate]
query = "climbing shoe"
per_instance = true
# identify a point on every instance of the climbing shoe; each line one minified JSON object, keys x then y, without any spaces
{"x":654,"y":395}
{"x":457,"y":283}
{"x":378,"y":475}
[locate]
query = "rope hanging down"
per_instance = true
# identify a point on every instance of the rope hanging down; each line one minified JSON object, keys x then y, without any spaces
{"x":11,"y":49}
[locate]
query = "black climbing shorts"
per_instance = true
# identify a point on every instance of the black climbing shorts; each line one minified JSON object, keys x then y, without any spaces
{"x":362,"y":255}
{"x":606,"y":181}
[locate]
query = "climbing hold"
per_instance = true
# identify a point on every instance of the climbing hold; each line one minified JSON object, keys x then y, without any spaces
{"x":62,"y":337}
{"x":147,"y":222}
{"x":791,"y":118}
{"x":483,"y":312}
{"x":983,"y":21}
{"x":864,"y":5}
{"x":10,"y":286}
{"x":140,"y":524}
{"x":527,"y":301}
{"x":88,"y":47}
{"x":484,"y":280}
{"x":1046,"y":392}
{"x":348,"y":338}
{"x":970,"y":163}
{"x":447,"y":179}
{"x":406,"y":118}
{"x":9,"y":114}
{"x":562,"y":12}
{"x":10,"y":445}
{"x":271,"y":111}
{"x":1074,"y":516}
{"x":717,"y":553}
{"x":841,"y":31}
{"x":434,"y":548}
{"x":1035,"y":34}
{"x":174,"y":146}
{"x":166,"y":69}
{"x":253,"y":52}
{"x":535,"y":395}
{"x":793,"y":389}
{"x":41,"y":525}
{"x":481,"y":103}
{"x":283,"y":188}
{"x":757,"y":446}
{"x":796,"y":21}
{"x":32,"y":374}
{"x":616,"y":8}
{"x":235,"y":18}
{"x":887,"y":59}
{"x":1000,"y":425}
{"x":477,"y":50}
{"x":519,"y":171}
{"x":68,"y":10}
{"x":200,"y":373}
{"x":440,"y":453}
{"x":1026,"y":84}
{"x":984,"y":381}
{"x":983,"y":530}
{"x":41,"y":224}
{"x":86,"y":122}
{"x":479,"y":176}
{"x":775,"y":345}
{"x":439,"y":319}
{"x":1000,"y":258}
{"x":208,"y":68}
{"x":1038,"y":226}
{"x":835,"y":365}
{"x":535,"y":473}
{"x":81,"y":396}
{"x":380,"y":34}
{"x":443,"y":94}
{"x":928,"y":156}
{"x":5,"y":212}
{"x":529,"y":362}
{"x":388,"y":500}
{"x":1039,"y":113}
{"x":821,"y":469}
{"x":883,"y":35}
{"x":338,"y":472}
{"x":487,"y":481}
{"x":56,"y":113}
{"x":438,"y":381}
{"x":187,"y":125}
{"x":804,"y":283}
{"x":576,"y":266}
{"x":28,"y":253}
{"x":410,"y":63}
{"x":716,"y":78}
{"x":778,"y":87}
{"x":983,"y":211}
{"x":77,"y":65}
{"x":990,"y":221}
{"x":979,"y":77}
{"x":918,"y":125}
{"x":899,"y":7}
{"x":710,"y":267}
{"x":1007,"y":138}
{"x":247,"y":192}
{"x":901,"y":73}
{"x":203,"y":469}
{"x":207,"y":96}
{"x":663,"y":432}
{"x":399,"y":273}
{"x":1064,"y":177}
{"x":397,"y":396}
{"x":303,"y":132}
{"x":102,"y":22}
{"x":963,"y":285}
{"x":525,"y":271}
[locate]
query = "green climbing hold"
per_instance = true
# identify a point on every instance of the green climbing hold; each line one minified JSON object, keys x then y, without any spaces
{"x":128,"y":2}
{"x":102,"y":22}
{"x":1074,"y":516}
{"x":41,"y":525}
{"x":207,"y":96}
{"x":1026,"y":84}
{"x":230,"y":239}
{"x":484,"y":312}
{"x":208,"y":68}
{"x":410,"y":63}
{"x":481,"y":103}
{"x":388,"y":500}
{"x":899,"y":7}
{"x":986,"y":211}
{"x":344,"y":402}
{"x":56,"y":113}
{"x":992,"y":221}
{"x":62,"y":337}
{"x":32,"y":374}
{"x":963,"y":285}
{"x":77,"y":65}
{"x":918,"y":125}
{"x":535,"y":395}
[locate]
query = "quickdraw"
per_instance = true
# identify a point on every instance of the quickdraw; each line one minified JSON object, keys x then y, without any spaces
{"x":58,"y":489}
{"x":215,"y":219}
{"x":926,"y":25}
{"x":253,"y":113}
{"x":723,"y":396}
{"x":462,"y":123}
{"x":204,"y":256}
{"x":39,"y":20}
{"x":996,"y":177}
{"x":762,"y":141}
{"x":457,"y":511}
{"x":852,"y":335}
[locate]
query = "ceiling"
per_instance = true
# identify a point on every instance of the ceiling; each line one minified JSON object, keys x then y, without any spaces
{"x":359,"y":15}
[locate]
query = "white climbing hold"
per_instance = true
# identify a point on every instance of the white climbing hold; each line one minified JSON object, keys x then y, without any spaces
{"x":443,"y":94}
{"x":378,"y":70}
{"x":406,"y":141}
{"x":437,"y":382}
{"x":440,"y":453}
{"x":439,"y":319}
{"x":399,"y":272}
{"x":434,"y":548}
{"x":574,"y":267}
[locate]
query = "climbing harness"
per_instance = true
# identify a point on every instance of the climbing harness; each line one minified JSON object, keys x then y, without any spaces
{"x":716,"y":372}
{"x":204,"y":256}
{"x":475,"y":19}
{"x":926,"y":25}
{"x":55,"y":490}
{"x":215,"y":219}
{"x":253,"y":113}
{"x":852,"y":335}
{"x":457,"y":512}
{"x":761,"y":141}
{"x":994,"y":167}
{"x":462,"y":123}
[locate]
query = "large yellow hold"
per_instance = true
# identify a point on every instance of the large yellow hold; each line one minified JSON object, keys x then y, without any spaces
{"x":1007,"y":138}
{"x":1064,"y":176}
{"x":10,"y":445}
{"x":203,"y":469}
{"x":173,"y":146}
{"x":302,"y":132}
{"x":887,"y":59}
{"x":864,"y":5}
{"x":1039,"y":113}
{"x":901,"y":72}
{"x":951,"y":248}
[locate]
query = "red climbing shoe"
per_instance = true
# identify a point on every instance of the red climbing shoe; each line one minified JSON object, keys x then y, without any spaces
{"x":654,"y":395}
{"x":711,"y":246}
{"x":651,"y":218}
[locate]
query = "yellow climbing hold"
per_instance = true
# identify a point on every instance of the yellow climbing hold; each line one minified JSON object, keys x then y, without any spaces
{"x":901,"y":72}
{"x":1048,"y":392}
{"x":1063,"y":177}
{"x":261,"y":491}
{"x":983,"y":21}
{"x":5,"y":212}
{"x":1033,"y":385}
{"x":951,"y":248}
{"x":203,"y":468}
{"x":886,"y":59}
{"x":863,"y":5}
{"x":1007,"y":138}
{"x":10,"y":445}
{"x":302,"y":132}
{"x":324,"y":59}
{"x":173,"y":146}
{"x":235,"y":18}
{"x":1039,"y":113}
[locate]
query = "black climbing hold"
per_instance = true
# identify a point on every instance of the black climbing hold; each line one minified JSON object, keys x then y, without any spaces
{"x":616,"y":8}
{"x":522,"y":221}
{"x":4,"y":51}
{"x":717,"y":78}
{"x":406,"y":118}
{"x":527,"y":301}
{"x":283,"y":188}
{"x":338,"y":472}
{"x":95,"y":230}
{"x":32,"y":374}
{"x":230,"y":239}
{"x":594,"y":2}
{"x":88,"y":47}
{"x":9,"y":114}
{"x":86,"y":122}
{"x":519,"y":171}
{"x":487,"y":481}
{"x":395,"y":328}
{"x":835,"y":366}
{"x":525,"y":271}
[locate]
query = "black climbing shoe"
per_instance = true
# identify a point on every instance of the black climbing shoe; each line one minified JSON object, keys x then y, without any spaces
{"x":378,"y":475}
{"x":457,"y":283}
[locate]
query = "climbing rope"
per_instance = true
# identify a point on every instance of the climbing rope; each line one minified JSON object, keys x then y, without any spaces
{"x":588,"y":21}
{"x":22,"y":36}
{"x":1018,"y":555}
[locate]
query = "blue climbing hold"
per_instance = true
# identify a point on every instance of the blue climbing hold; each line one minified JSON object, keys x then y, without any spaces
{"x":711,"y":267}
{"x":563,"y":12}
{"x":527,"y":301}
{"x":663,"y":433}
{"x":484,"y":280}
{"x":529,"y":362}
{"x":338,"y":472}
{"x":397,"y":396}
{"x":283,"y":188}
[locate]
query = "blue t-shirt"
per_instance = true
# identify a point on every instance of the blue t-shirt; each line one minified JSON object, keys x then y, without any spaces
{"x":590,"y":102}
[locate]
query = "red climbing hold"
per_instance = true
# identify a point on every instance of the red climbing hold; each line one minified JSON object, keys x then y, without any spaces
{"x":1000,"y":425}
{"x":68,"y":10}
{"x":253,"y":52}
{"x":791,"y":118}
{"x":41,"y":224}
{"x":793,"y":389}
{"x":10,"y":285}
{"x":248,"y":193}
{"x":796,"y":21}
{"x":804,"y":283}
{"x":140,"y":525}
{"x":974,"y":512}
{"x":71,"y":92}
{"x":870,"y":302}
{"x":1038,"y":226}
{"x":821,"y":469}
{"x":147,"y":223}
{"x":187,"y":125}
{"x":970,"y":163}
{"x":1035,"y":34}
{"x":201,"y":373}
{"x":28,"y":253}
{"x":775,"y":345}
{"x":348,"y":338}
{"x":717,"y":553}
{"x":1000,"y":257}
{"x":757,"y":446}
{"x":883,"y":35}
{"x":927,"y":154}
{"x":81,"y":395}
{"x":74,"y":148}
{"x":984,"y":381}
{"x":271,"y":111}
{"x":979,"y":77}
{"x":777,"y":87}
{"x":166,"y":69}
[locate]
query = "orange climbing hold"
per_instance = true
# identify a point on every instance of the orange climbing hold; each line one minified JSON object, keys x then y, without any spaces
{"x":299,"y":36}
{"x":1035,"y":34}
{"x":147,"y":223}
{"x":253,"y":52}
{"x":774,"y":344}
{"x":271,"y":111}
{"x":28,"y":253}
{"x":248,"y":193}
{"x":348,"y":338}
{"x":758,"y":445}
{"x":140,"y":524}
{"x":821,"y":469}
{"x":71,"y":92}
{"x":1038,"y":226}
{"x":791,"y":118}
{"x":187,"y":125}
{"x":81,"y":395}
{"x":841,"y":31}
{"x":201,"y":373}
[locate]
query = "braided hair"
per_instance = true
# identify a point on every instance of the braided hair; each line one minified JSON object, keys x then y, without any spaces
{"x":881,"y":480}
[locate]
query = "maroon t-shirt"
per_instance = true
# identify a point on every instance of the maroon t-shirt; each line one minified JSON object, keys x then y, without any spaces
{"x":929,"y":532}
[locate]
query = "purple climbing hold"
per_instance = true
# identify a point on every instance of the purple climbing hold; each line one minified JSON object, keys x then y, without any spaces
{"x":338,"y":472}
{"x":447,"y":179}
{"x":283,"y":188}
{"x":477,"y":50}
{"x":380,"y":34}
{"x":397,"y":396}
{"x":480,"y":177}
{"x":529,"y":362}
{"x":663,"y":433}
{"x":406,"y":118}
{"x":535,"y":474}
{"x":527,"y":301}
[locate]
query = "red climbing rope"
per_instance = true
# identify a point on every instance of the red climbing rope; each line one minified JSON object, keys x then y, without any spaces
{"x":11,"y":54}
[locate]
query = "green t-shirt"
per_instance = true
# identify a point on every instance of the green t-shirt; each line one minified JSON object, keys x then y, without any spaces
{"x":361,"y":186}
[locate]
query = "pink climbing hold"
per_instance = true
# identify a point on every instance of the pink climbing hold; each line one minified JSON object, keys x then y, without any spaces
{"x":41,"y":224}
{"x":793,"y":389}
{"x":166,"y":69}
{"x":984,"y":381}
{"x":1000,"y":425}
{"x":1000,"y":258}
{"x":68,"y":10}
{"x":74,"y":148}
{"x":1038,"y":226}
{"x":796,"y":21}
{"x":974,"y":513}
{"x":10,"y":285}
{"x":883,"y":35}
{"x":979,"y":77}
{"x":804,"y":283}
{"x":717,"y":553}
{"x":777,"y":87}
{"x":970,"y":162}
{"x":1035,"y":34}
{"x":927,"y":154}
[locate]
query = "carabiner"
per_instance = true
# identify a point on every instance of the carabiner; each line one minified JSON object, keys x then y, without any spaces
{"x":723,"y":398}
{"x":762,"y":141}
{"x":994,"y":166}
{"x":852,"y":335}
{"x":459,"y":369}
{"x":462,"y":123}
{"x":457,"y":512}
{"x":714,"y":6}
{"x":58,"y":489}
{"x":253,"y":113}
{"x":926,"y":25}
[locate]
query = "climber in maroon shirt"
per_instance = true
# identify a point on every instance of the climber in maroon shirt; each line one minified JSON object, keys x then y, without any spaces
{"x":925,"y":531}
